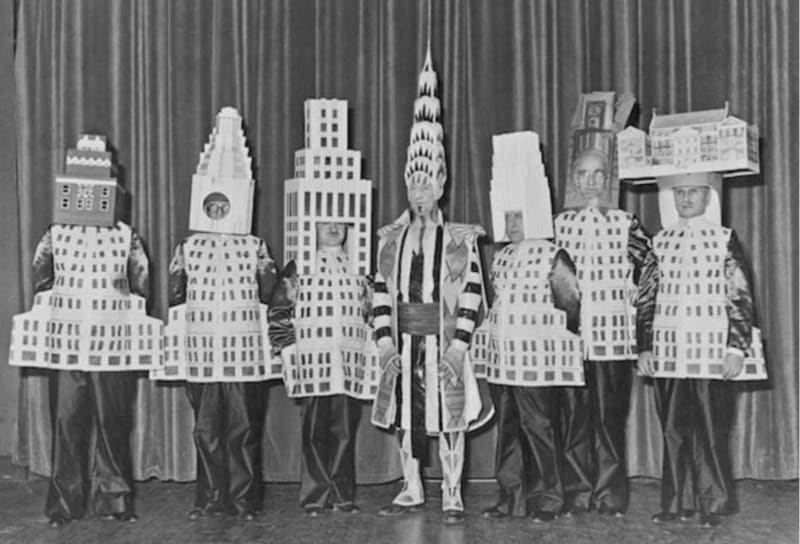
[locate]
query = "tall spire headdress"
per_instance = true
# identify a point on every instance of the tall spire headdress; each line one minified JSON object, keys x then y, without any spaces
{"x":426,"y":161}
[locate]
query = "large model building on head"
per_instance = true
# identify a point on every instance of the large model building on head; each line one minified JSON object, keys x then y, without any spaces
{"x":88,"y":193}
{"x":327,"y":188}
{"x":223,"y":185}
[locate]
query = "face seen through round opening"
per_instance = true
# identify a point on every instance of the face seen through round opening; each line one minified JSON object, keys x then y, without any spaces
{"x":331,"y":234}
{"x":216,"y":206}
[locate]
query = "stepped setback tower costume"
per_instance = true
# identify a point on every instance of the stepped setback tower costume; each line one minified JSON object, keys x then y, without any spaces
{"x":221,"y":278}
{"x":533,"y":345}
{"x":320,"y":308}
{"x":703,"y":332}
{"x":89,"y":323}
{"x":611,"y":251}
{"x":428,"y":293}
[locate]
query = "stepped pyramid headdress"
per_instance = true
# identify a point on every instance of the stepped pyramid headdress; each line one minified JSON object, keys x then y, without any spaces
{"x":224,"y":178}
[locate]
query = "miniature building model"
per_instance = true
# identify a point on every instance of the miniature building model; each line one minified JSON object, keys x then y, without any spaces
{"x":520,"y":184}
{"x":224,"y":175}
{"x":699,"y":141}
{"x":220,"y":333}
{"x":327,"y":187}
{"x":598,"y":117}
{"x":89,"y":319}
{"x":88,"y":193}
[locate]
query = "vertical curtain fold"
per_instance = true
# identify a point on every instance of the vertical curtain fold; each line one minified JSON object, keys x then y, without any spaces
{"x":152,"y":75}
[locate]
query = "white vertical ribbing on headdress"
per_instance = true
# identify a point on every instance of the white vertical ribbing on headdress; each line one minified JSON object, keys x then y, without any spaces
{"x":519,"y":183}
{"x":425,"y":161}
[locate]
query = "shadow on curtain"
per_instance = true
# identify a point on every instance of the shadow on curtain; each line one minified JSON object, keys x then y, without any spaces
{"x":152,"y":75}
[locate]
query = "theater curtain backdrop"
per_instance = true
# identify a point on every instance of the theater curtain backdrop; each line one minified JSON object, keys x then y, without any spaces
{"x":152,"y":75}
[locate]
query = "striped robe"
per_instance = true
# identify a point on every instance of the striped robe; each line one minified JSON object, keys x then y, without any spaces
{"x":451,"y":276}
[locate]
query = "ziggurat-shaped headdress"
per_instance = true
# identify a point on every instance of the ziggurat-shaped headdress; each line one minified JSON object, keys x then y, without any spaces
{"x":224,"y":180}
{"x":425,"y":161}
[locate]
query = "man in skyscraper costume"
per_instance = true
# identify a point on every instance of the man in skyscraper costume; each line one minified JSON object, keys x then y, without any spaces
{"x":321,"y":306}
{"x":89,"y":324}
{"x":428,"y":292}
{"x":613,"y":256}
{"x":220,"y":281}
{"x":533,"y":345}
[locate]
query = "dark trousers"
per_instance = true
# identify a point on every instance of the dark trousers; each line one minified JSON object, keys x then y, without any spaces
{"x":92,"y":470}
{"x":329,"y":438}
{"x":696,"y":417}
{"x":227,"y":433}
{"x":594,"y":419}
{"x":526,"y":454}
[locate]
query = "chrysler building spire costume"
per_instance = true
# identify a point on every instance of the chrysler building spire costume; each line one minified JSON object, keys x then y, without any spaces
{"x":428,"y":293}
{"x":611,"y":251}
{"x":220,"y":281}
{"x":703,"y":330}
{"x":533,"y":343}
{"x":320,"y":307}
{"x":88,"y":321}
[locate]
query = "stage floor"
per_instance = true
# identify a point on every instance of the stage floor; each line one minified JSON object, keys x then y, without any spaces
{"x":768,"y":514}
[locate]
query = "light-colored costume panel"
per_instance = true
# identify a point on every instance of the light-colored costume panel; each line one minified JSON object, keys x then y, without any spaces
{"x":691,"y":325}
{"x":89,"y":320}
{"x":529,"y":344}
{"x":598,"y":243}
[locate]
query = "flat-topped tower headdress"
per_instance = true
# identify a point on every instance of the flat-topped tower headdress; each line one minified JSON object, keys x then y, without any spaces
{"x":426,"y":160}
{"x":223,"y":185}
{"x":88,"y":193}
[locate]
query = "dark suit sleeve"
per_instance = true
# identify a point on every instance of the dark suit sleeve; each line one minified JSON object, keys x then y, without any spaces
{"x":43,"y":270}
{"x":138,"y":267}
{"x":739,"y":303}
{"x":640,"y":253}
{"x":281,"y":309}
{"x":176,"y":289}
{"x":565,"y":290}
{"x":267,"y":273}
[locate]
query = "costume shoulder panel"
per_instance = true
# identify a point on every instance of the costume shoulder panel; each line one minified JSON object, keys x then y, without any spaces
{"x":464,"y":232}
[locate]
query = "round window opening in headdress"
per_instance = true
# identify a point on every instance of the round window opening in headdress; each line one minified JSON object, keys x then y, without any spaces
{"x":216,"y":206}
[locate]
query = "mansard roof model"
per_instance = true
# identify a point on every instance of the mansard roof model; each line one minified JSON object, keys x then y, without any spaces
{"x":224,"y":175}
{"x":689,"y":142}
{"x":327,"y":187}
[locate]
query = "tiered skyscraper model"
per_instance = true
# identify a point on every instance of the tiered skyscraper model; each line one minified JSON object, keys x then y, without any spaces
{"x":333,"y":351}
{"x":88,"y":319}
{"x":220,"y":333}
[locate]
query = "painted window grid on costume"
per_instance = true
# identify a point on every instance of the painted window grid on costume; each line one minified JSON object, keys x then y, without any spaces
{"x":87,"y":317}
{"x":528,"y":340}
{"x":598,"y":242}
{"x":220,"y":333}
{"x":691,"y":330}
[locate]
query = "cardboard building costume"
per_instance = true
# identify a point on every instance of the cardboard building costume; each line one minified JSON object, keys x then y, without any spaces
{"x":703,"y":319}
{"x":88,"y":319}
{"x":220,"y":281}
{"x":320,"y":308}
{"x":610,"y":250}
{"x":428,"y":293}
{"x":534,"y":345}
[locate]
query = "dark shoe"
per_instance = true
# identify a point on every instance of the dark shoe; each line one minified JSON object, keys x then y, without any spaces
{"x":398,"y":509}
{"x":573,"y":512}
{"x":542,"y":517}
{"x":247,"y":515}
{"x":346,"y":508}
{"x":452,"y":517}
{"x":314,"y":511}
{"x":687,"y":515}
{"x":610,"y":511}
{"x":127,"y":517}
{"x":58,"y":521}
{"x":196,"y":513}
{"x":709,"y":521}
{"x":664,"y":517}
{"x":493,"y":513}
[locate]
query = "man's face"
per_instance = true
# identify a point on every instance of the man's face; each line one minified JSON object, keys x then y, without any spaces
{"x":515,"y":230}
{"x":590,"y":175}
{"x":422,"y":198}
{"x":216,"y":206}
{"x":691,"y":201}
{"x":331,"y":234}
